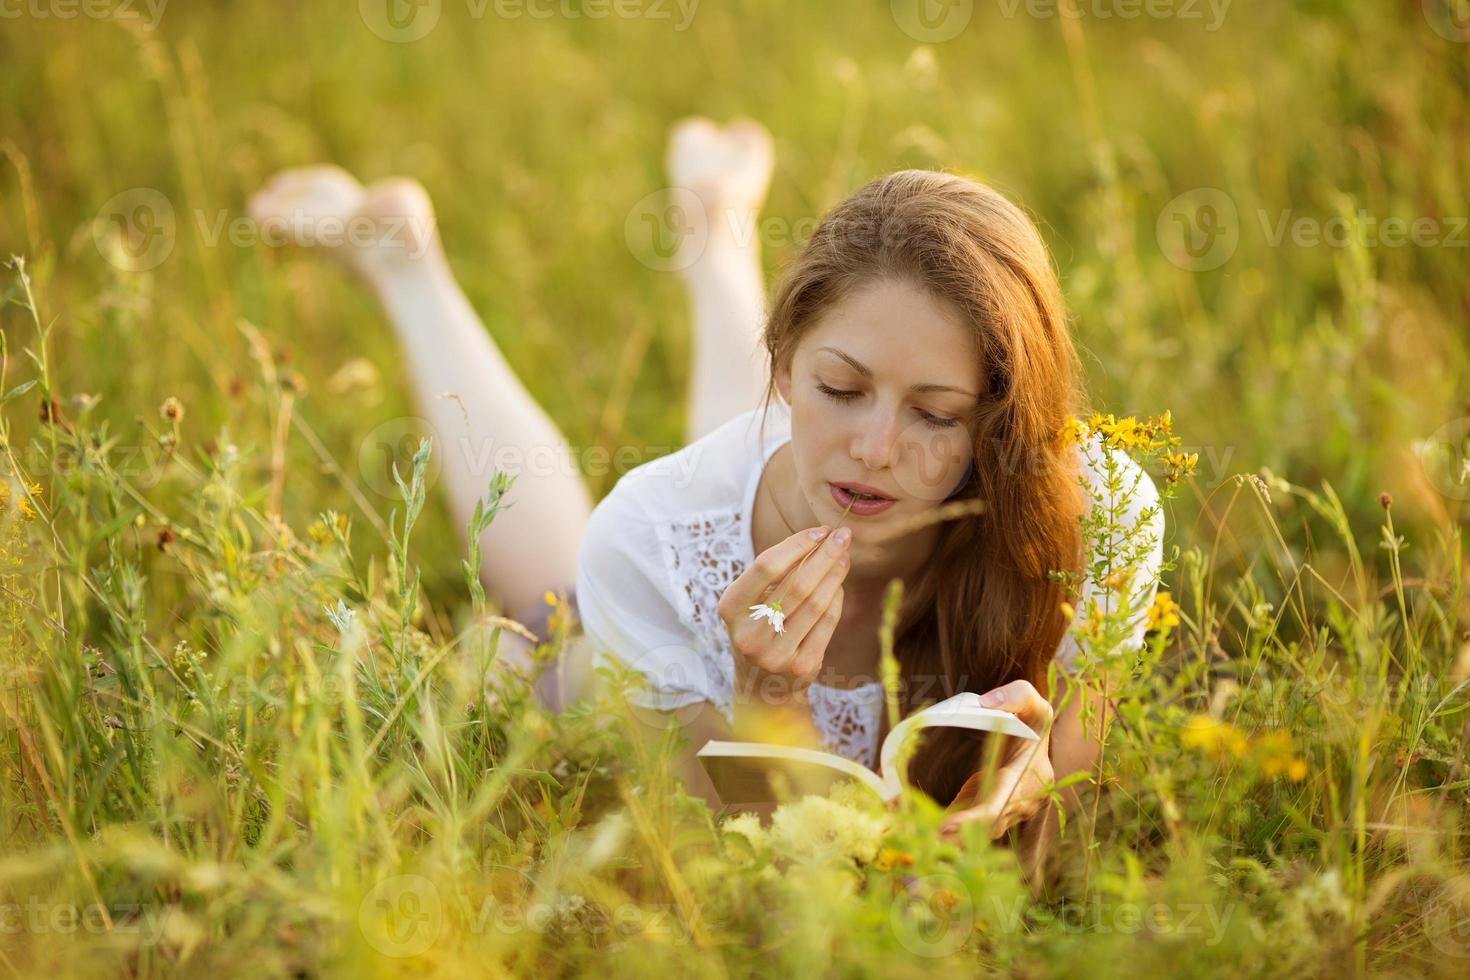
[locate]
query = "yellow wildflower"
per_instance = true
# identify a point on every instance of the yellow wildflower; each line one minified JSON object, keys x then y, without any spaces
{"x":889,"y":858}
{"x":1275,"y":751}
{"x":1117,"y":579}
{"x":549,"y":598}
{"x":1164,"y":613}
{"x":1177,"y":466}
{"x":1213,"y":737}
{"x":1071,"y":431}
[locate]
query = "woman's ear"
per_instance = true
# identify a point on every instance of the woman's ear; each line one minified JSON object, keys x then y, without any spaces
{"x":783,"y":381}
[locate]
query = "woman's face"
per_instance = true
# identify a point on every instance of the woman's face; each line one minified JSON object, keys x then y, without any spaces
{"x":881,"y":388}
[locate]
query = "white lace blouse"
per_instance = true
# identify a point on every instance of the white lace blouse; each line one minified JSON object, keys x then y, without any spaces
{"x":661,"y":548}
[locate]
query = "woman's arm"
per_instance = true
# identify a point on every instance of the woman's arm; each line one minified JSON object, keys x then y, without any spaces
{"x":1075,"y":747}
{"x":1016,"y":795}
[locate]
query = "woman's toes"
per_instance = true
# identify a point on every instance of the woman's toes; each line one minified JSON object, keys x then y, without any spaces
{"x":307,"y":202}
{"x":400,"y":210}
{"x":729,"y":166}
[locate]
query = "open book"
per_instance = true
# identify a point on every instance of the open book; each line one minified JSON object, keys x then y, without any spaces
{"x":743,"y":772}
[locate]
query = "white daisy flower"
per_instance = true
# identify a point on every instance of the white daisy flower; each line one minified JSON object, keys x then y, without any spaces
{"x":771,"y":612}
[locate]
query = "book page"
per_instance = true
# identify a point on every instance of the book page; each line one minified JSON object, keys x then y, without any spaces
{"x":961,"y":711}
{"x":757,"y":772}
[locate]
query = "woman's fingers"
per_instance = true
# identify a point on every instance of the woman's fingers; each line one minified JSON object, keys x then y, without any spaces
{"x":766,"y":571}
{"x":807,"y":579}
{"x":807,"y":594}
{"x":1022,"y":699}
{"x":1015,"y":797}
{"x":779,"y":653}
{"x":812,"y":651}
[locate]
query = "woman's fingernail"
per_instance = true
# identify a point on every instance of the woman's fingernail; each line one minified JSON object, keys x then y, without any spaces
{"x":843,"y":533}
{"x":816,"y":533}
{"x":992,"y":698}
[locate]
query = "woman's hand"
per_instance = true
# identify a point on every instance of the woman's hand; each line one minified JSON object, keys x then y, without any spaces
{"x":811,"y":603}
{"x":1024,"y":773}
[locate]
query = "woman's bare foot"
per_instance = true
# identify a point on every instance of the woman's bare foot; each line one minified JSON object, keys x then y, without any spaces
{"x":729,"y":169}
{"x":373,"y":231}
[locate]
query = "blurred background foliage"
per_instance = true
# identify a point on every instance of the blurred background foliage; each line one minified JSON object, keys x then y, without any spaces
{"x":537,"y":136}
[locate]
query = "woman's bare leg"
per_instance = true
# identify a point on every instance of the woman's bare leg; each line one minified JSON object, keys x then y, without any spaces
{"x":392,"y":245}
{"x":729,"y":169}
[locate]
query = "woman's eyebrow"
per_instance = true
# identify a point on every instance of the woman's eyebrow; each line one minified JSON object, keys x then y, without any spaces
{"x":867,"y":372}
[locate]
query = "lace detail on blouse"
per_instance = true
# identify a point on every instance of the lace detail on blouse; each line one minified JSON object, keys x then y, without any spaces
{"x":848,"y":719}
{"x":704,"y":554}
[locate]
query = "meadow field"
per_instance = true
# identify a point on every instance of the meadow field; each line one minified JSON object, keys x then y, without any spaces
{"x":242,"y":727}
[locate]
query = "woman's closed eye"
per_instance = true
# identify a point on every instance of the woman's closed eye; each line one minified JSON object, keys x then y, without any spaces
{"x":933,"y":421}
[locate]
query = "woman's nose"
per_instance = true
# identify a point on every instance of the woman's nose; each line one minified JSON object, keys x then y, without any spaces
{"x":879,"y":440}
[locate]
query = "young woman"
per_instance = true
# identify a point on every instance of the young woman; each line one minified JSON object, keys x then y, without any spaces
{"x":921,"y":355}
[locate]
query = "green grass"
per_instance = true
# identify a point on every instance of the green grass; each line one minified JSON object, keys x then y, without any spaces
{"x":191,"y":744}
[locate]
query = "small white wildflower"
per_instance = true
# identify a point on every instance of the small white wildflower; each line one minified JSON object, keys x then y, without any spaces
{"x":771,"y":612}
{"x":342,"y":617}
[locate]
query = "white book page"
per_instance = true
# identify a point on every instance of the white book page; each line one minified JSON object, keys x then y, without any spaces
{"x":961,"y":711}
{"x":716,"y":749}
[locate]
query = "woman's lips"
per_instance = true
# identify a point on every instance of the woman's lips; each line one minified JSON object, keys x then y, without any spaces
{"x":860,"y":506}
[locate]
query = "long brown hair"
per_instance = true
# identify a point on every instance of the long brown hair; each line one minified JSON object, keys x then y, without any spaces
{"x":984,"y":612}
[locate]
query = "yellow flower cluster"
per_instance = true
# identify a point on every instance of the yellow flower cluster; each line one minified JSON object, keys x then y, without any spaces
{"x":1164,"y":613}
{"x":21,"y":503}
{"x":1177,"y":466}
{"x":1214,"y":738}
{"x":1121,"y":433}
{"x":321,"y":529}
{"x":1128,"y":433}
{"x":889,"y":858}
{"x":1272,"y":751}
{"x":817,"y":830}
